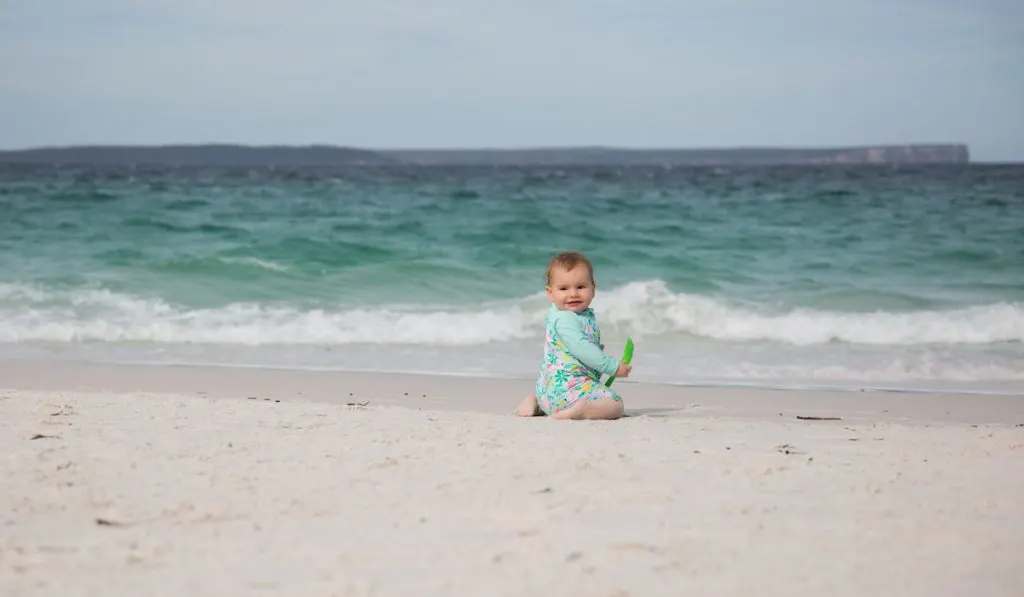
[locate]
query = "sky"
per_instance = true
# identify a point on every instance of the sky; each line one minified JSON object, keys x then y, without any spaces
{"x":514,"y":73}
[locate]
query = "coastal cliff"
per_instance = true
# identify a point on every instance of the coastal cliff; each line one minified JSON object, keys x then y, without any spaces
{"x":894,"y":154}
{"x":903,"y":154}
{"x":325,"y":155}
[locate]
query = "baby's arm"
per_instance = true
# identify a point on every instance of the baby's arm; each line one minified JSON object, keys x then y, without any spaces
{"x":568,"y":327}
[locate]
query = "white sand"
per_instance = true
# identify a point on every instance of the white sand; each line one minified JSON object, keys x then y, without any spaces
{"x":229,"y":496}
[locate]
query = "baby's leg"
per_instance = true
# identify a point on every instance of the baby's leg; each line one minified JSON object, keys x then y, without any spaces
{"x":528,"y":407}
{"x":596,"y":403}
{"x":604,"y":408}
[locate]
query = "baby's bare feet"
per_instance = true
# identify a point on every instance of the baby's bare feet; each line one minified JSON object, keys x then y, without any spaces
{"x":528,"y":407}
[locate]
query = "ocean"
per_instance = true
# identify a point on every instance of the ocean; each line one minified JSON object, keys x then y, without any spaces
{"x":897,"y":278}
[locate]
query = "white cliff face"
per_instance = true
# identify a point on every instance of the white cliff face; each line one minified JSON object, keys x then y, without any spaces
{"x":901,"y":154}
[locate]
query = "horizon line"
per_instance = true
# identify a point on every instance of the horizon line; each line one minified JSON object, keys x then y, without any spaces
{"x":589,"y":146}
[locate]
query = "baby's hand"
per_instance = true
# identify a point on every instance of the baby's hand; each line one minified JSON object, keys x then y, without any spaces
{"x":623,"y":370}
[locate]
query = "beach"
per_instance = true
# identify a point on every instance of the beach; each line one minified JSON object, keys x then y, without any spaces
{"x":220,"y":380}
{"x":276,"y":283}
{"x":128,"y":480}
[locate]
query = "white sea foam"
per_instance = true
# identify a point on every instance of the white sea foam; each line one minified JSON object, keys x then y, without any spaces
{"x":642,"y":309}
{"x":650,"y":308}
{"x":682,"y":338}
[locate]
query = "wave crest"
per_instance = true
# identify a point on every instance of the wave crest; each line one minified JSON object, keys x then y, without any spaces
{"x":643,"y":309}
{"x":650,"y":308}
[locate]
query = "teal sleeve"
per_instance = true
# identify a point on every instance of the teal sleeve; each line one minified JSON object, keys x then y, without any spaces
{"x":588,"y":353}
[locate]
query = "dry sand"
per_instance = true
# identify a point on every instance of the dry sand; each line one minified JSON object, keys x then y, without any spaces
{"x":172,"y":481}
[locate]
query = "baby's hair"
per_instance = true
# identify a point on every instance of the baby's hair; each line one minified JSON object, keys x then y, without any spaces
{"x":567,"y":261}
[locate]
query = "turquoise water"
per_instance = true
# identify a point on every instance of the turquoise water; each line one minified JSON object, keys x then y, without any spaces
{"x":858,"y":277}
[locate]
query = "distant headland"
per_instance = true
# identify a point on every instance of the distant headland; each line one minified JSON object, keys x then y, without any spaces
{"x":328,"y":155}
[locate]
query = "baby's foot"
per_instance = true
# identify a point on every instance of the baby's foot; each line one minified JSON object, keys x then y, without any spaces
{"x":528,"y":407}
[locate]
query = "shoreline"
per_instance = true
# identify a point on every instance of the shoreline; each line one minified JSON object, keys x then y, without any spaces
{"x":969,"y":388}
{"x":499,"y":395}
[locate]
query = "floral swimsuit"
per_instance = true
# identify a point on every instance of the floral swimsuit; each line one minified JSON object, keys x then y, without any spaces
{"x":573,"y":361}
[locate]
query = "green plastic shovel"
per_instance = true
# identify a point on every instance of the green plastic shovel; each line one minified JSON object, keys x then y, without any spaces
{"x":627,"y":356}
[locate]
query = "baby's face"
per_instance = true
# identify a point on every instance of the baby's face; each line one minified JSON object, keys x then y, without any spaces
{"x":571,"y":290}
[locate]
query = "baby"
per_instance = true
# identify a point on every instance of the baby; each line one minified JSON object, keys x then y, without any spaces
{"x":569,"y":385}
